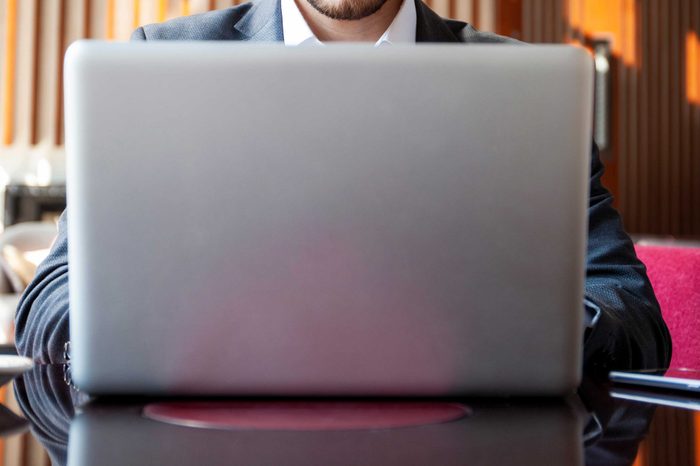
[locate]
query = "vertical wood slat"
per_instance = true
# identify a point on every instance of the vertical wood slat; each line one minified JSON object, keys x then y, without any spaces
{"x":623,"y":132}
{"x":629,"y":176}
{"x":136,"y":7}
{"x":558,"y":19}
{"x":548,"y":20}
{"x":71,"y":28}
{"x":487,"y":19}
{"x":87,"y":22}
{"x":695,"y":123}
{"x":676,"y":195}
{"x":9,"y":72}
{"x":3,"y":24}
{"x":665,"y":155}
{"x":510,"y":18}
{"x":692,"y":139}
{"x":441,"y":7}
{"x":463,"y":10}
{"x":640,"y":188}
{"x":685,"y":114}
{"x":148,"y":12}
{"x":223,"y":3}
{"x":199,"y":6}
{"x":124,"y":12}
{"x":162,"y":10}
{"x":696,"y":435}
{"x":452,"y":9}
{"x":23,"y":73}
{"x":537,"y":21}
{"x":34,"y":137}
{"x":527,"y":21}
{"x":110,"y":20}
{"x":58,"y":127}
{"x":98,"y":23}
{"x":46,"y":73}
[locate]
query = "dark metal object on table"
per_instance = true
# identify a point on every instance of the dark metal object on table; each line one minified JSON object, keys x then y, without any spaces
{"x":33,"y":203}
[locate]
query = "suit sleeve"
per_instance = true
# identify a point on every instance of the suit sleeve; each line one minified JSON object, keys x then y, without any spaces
{"x":41,"y":322}
{"x":138,"y":34}
{"x":625,"y":326}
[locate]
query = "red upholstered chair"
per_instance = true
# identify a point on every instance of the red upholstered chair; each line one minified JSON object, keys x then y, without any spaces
{"x":675,"y":275}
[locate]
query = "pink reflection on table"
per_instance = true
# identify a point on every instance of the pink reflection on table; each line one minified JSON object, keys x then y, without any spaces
{"x":304,"y":415}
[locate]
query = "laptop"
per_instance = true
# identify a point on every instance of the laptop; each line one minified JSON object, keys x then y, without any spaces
{"x":255,"y":220}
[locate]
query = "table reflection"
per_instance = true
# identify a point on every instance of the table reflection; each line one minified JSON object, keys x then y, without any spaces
{"x":588,"y":429}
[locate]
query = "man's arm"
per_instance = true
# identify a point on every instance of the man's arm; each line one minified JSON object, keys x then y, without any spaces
{"x":41,"y":323}
{"x":138,"y":34}
{"x":626,"y":329}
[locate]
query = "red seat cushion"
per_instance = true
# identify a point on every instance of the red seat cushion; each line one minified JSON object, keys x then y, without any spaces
{"x":675,"y":275}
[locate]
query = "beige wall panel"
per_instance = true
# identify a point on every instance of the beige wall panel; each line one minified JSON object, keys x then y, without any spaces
{"x":13,"y":447}
{"x":487,"y":15}
{"x":123,"y":19}
{"x":223,"y":4}
{"x":75,"y":28}
{"x":441,"y":7}
{"x":3,"y":19}
{"x":75,"y":22}
{"x":527,"y":21}
{"x":98,"y":15}
{"x":25,"y":65}
{"x":173,"y":8}
{"x":35,"y":453}
{"x":148,"y":12}
{"x":463,"y":10}
{"x":48,"y":70}
{"x":198,"y":6}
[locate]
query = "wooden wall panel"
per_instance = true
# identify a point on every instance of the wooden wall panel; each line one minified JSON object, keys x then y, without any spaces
{"x":3,"y":40}
{"x":481,"y":13}
{"x":695,"y":122}
{"x":670,"y":438}
{"x":654,"y":164}
{"x":463,"y":9}
{"x":23,"y":72}
{"x":9,"y":77}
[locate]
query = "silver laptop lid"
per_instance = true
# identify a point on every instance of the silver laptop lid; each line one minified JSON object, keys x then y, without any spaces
{"x":253,"y":219}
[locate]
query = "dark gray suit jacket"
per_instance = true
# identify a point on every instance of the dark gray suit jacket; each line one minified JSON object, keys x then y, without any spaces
{"x":624,"y":327}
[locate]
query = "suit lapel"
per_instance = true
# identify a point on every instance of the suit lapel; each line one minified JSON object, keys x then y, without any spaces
{"x":263,"y":22}
{"x":430,"y":27}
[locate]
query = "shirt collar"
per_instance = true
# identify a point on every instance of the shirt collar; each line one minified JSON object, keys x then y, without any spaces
{"x":297,"y":31}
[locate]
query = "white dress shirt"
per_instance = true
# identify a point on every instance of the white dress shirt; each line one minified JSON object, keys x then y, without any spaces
{"x":298,"y":32}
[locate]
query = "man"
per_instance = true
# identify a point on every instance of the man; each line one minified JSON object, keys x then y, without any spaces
{"x":623,"y":328}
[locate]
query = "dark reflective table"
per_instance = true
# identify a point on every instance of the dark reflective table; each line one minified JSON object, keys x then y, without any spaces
{"x":590,"y":428}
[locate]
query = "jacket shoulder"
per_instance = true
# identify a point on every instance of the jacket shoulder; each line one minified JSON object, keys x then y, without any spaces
{"x":469,"y":34}
{"x":212,"y":25}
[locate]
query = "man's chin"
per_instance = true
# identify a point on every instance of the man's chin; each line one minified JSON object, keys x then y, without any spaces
{"x":347,"y":10}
